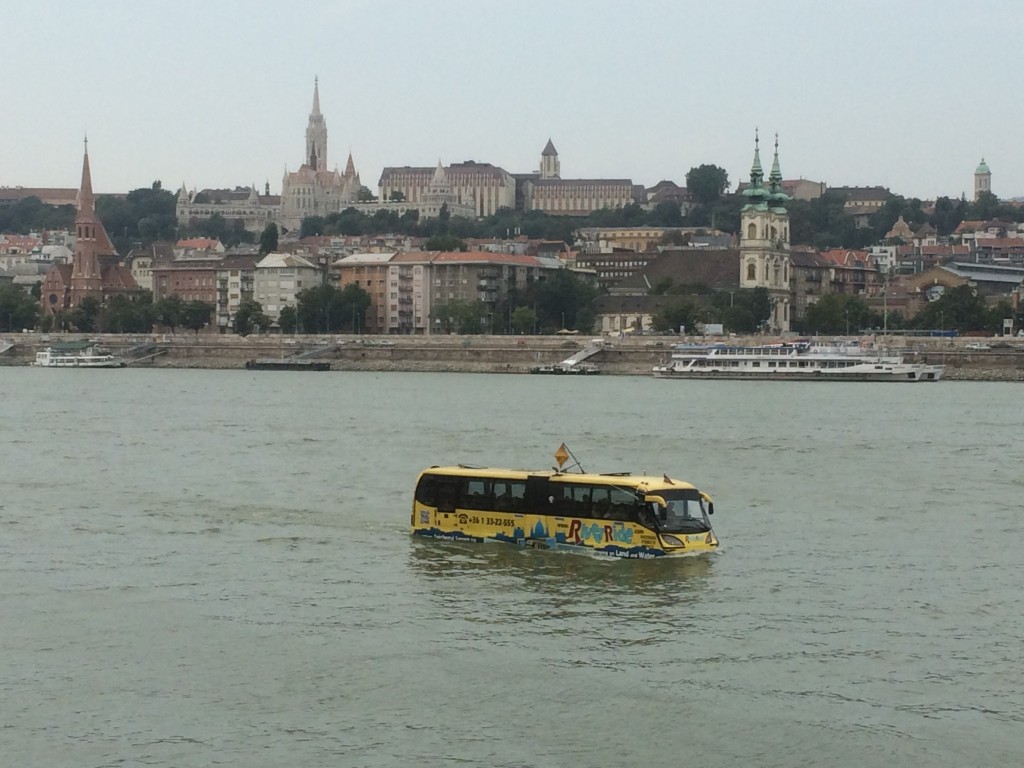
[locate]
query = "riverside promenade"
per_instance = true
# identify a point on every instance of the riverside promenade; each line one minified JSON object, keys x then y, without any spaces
{"x":1003,"y":361}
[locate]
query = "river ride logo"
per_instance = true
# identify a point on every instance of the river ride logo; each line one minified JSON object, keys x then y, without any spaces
{"x":580,"y":532}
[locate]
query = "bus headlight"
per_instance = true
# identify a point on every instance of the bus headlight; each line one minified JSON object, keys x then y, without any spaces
{"x":674,"y":541}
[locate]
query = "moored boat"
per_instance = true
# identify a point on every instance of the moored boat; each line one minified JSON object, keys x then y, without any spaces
{"x":76,"y":354}
{"x":795,"y":361}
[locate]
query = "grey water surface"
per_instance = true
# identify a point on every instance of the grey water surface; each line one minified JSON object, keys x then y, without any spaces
{"x":204,"y":568}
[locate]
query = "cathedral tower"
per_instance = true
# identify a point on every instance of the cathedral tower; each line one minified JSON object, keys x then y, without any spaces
{"x":764,"y":239}
{"x":982,"y":180}
{"x":316,"y":133}
{"x":550,"y":168}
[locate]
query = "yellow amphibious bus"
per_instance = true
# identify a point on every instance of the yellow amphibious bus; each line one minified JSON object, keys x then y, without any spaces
{"x":622,"y":515}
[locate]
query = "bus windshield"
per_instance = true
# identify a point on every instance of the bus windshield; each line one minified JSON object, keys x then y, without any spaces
{"x":684,"y":512}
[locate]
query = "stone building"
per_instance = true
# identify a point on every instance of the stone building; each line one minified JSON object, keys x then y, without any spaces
{"x":241,"y":204}
{"x":547,"y":191}
{"x":440,"y":196}
{"x":95,"y":271}
{"x":482,"y":186}
{"x":764,"y":239}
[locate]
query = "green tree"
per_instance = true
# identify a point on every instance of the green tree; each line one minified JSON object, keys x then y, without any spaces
{"x":84,"y":317}
{"x":169,"y":311}
{"x":461,"y":316}
{"x":523,"y":319}
{"x":396,"y":197}
{"x":948,"y":215}
{"x":312,"y":226}
{"x":268,"y":240}
{"x":706,"y":184}
{"x":17,"y":308}
{"x":558,"y":300}
{"x":326,"y":308}
{"x":837,"y":313}
{"x":677,"y":313}
{"x":364,"y":195}
{"x":30,"y":214}
{"x":960,"y":309}
{"x":287,"y":320}
{"x":444,"y":243}
{"x":250,"y":317}
{"x":124,"y":314}
{"x":196,"y":315}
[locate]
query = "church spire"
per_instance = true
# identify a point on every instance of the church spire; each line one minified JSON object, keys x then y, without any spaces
{"x":350,"y":166}
{"x":777,"y":196}
{"x":316,"y":133}
{"x":86,"y":204}
{"x":756,"y":172}
{"x":756,"y":192}
{"x":775,"y":177}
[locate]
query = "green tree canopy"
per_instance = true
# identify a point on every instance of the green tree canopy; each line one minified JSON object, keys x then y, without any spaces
{"x":84,"y":318}
{"x":169,"y":311}
{"x":523,"y":319}
{"x":327,"y":309}
{"x":268,"y":240}
{"x":18,"y":309}
{"x":706,"y":184}
{"x":288,"y":320}
{"x":961,"y":309}
{"x":125,"y":314}
{"x":250,"y":317}
{"x":839,"y":314}
{"x":196,"y":315}
{"x":461,"y":316}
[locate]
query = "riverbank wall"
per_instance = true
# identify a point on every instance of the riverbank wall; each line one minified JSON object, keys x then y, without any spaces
{"x":476,"y":354}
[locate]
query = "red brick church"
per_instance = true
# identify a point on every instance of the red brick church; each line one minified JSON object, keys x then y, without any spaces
{"x":95,"y":269}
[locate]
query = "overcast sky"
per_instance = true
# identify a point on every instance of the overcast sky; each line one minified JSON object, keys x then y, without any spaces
{"x":908,"y":95}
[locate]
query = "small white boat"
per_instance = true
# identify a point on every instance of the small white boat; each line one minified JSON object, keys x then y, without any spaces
{"x":76,"y":354}
{"x":796,"y":361}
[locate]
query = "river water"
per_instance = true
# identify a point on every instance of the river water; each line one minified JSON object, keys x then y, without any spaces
{"x":212,"y":568}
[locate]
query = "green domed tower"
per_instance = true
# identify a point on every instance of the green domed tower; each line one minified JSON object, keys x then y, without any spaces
{"x":982,"y":179}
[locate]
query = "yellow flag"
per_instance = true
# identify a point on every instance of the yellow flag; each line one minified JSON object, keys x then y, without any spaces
{"x":562,"y":455}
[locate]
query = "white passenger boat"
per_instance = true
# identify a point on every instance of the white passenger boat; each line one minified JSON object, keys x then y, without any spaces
{"x":76,"y":354}
{"x":796,"y":361}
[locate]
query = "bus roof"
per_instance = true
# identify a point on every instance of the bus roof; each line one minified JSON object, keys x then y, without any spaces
{"x":645,"y":483}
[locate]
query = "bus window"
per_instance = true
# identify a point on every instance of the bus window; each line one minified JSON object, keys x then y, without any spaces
{"x":519,"y":496}
{"x":509,"y":496}
{"x":624,"y":505}
{"x":684,"y":512}
{"x":602,"y":508}
{"x":578,"y":498}
{"x":476,"y":494}
{"x":426,"y":490}
{"x":447,"y":493}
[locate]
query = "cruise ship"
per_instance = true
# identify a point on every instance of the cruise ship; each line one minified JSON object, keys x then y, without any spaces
{"x":800,"y":360}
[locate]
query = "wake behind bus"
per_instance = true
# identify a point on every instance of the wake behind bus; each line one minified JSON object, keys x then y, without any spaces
{"x":618,"y":514}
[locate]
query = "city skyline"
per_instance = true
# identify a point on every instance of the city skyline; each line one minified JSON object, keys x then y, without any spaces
{"x":217,"y":96}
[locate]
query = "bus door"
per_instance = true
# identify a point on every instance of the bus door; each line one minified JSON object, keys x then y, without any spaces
{"x":538,"y":495}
